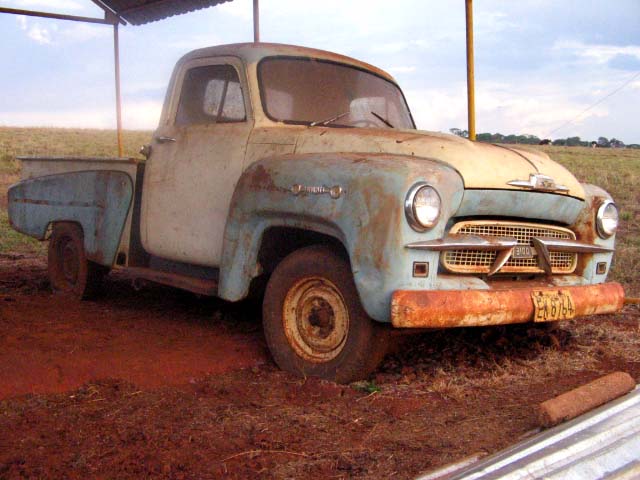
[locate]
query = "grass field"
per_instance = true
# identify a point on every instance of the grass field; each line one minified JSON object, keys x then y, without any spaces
{"x":617,"y":171}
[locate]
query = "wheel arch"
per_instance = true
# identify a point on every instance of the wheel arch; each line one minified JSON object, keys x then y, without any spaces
{"x":250,"y":258}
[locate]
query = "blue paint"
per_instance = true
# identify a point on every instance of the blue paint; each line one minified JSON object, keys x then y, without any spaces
{"x":520,"y":204}
{"x":368,"y":218}
{"x":97,"y":200}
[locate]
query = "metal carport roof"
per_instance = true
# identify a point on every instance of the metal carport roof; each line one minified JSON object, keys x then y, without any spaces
{"x":139,"y":12}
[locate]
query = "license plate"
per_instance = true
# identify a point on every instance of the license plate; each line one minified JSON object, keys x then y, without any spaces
{"x":522,"y":251}
{"x":550,"y":306}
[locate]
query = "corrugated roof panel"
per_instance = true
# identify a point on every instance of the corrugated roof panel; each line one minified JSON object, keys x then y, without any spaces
{"x":139,"y":12}
{"x":601,"y":444}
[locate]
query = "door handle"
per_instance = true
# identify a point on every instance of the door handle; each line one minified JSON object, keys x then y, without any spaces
{"x":163,"y":139}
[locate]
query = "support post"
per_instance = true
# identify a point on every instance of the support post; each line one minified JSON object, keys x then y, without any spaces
{"x":471,"y":103}
{"x":256,"y":21}
{"x":116,"y":52}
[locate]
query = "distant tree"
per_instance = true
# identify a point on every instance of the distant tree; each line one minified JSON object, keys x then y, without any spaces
{"x":484,"y":137}
{"x":459,"y":132}
{"x":573,"y":142}
{"x":635,"y":146}
{"x":603,"y":142}
{"x":560,"y":141}
{"x":615,"y":143}
{"x":532,"y":139}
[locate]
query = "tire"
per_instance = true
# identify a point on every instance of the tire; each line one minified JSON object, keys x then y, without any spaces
{"x":70,"y":273}
{"x":314,"y":322}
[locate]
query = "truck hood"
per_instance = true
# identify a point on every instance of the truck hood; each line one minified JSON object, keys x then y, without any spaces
{"x":481,"y":165}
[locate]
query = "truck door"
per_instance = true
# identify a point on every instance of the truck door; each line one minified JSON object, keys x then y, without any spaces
{"x":196,"y":160}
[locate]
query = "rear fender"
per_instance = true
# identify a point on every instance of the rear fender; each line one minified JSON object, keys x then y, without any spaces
{"x":98,"y":201}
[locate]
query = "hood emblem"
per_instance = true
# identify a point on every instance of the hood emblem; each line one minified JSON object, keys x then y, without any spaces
{"x":539,"y":182}
{"x":334,"y":192}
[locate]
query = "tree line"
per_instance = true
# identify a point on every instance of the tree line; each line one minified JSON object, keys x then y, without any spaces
{"x":602,"y":142}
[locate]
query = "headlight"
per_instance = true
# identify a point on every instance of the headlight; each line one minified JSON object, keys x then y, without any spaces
{"x":422,"y":206}
{"x":607,"y":219}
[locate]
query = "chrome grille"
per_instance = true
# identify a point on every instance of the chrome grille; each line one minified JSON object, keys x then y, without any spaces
{"x":480,"y":261}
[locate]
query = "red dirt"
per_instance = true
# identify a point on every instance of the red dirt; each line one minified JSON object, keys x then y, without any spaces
{"x":52,"y":344}
{"x":163,"y":384}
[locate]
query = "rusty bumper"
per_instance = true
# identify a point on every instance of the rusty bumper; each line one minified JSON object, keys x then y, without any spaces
{"x":466,"y":308}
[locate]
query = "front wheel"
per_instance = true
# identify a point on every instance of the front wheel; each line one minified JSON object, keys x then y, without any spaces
{"x":313,"y":321}
{"x":70,"y":273}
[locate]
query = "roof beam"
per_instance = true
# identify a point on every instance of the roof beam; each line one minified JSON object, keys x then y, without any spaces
{"x":109,"y":12}
{"x":109,"y":19}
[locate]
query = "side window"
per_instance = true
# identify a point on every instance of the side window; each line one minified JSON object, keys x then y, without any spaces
{"x":211,"y":94}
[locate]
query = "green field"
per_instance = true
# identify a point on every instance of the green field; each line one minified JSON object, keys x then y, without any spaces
{"x":616,"y":170}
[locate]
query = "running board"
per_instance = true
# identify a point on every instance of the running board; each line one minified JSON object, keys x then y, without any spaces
{"x":185,"y":282}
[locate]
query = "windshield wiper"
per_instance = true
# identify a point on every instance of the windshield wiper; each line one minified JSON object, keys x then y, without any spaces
{"x":383,"y":120}
{"x":329,"y":120}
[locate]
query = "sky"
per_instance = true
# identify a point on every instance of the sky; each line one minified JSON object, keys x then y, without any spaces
{"x":549,"y":68}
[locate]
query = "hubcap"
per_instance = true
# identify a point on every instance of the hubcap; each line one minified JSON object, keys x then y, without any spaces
{"x":316,"y":320}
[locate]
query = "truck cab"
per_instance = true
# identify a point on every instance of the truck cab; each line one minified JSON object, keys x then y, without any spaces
{"x":302,"y":171}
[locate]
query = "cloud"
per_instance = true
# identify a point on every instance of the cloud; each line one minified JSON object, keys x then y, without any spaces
{"x":400,"y":69}
{"x":194,"y":41}
{"x":142,"y":115}
{"x":52,"y":33}
{"x":599,"y":54}
{"x":625,"y":62}
{"x":438,"y":108}
{"x":49,"y":5}
{"x":78,"y":117}
{"x":35,"y":32}
{"x":81,"y":32}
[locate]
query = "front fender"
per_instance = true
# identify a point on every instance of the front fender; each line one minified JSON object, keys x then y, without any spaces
{"x":367,"y":215}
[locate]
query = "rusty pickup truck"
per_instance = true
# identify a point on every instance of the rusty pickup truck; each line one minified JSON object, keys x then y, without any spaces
{"x":301,"y":173}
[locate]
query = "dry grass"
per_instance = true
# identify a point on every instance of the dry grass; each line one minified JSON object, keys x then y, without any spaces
{"x":64,"y":142}
{"x":451,"y":363}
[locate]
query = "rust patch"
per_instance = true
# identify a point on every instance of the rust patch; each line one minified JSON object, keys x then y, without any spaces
{"x":383,"y":223}
{"x":463,"y":308}
{"x":585,"y":230}
{"x":260,"y":179}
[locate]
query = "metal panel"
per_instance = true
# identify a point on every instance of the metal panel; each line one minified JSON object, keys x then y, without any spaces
{"x":602,"y":444}
{"x":139,"y":12}
{"x":97,"y":200}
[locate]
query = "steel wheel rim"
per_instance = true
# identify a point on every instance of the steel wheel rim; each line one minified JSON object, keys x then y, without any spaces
{"x":316,"y":319}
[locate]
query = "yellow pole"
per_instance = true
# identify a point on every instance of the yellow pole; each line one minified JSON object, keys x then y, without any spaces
{"x":471,"y":102}
{"x":116,"y":51}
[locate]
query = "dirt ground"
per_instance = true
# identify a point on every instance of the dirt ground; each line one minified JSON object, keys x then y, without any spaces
{"x":160,"y":383}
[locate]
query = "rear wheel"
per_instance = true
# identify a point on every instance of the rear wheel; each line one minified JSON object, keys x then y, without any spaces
{"x":313,"y":320}
{"x":70,"y":273}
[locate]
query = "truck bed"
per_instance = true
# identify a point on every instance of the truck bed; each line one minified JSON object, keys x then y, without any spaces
{"x":101,"y":194}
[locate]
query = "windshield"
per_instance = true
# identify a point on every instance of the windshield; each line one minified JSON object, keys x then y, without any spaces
{"x":318,"y":92}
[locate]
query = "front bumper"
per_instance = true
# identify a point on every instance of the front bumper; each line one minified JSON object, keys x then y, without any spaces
{"x":466,"y":308}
